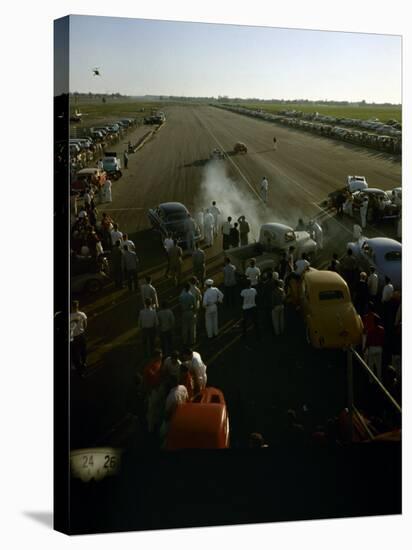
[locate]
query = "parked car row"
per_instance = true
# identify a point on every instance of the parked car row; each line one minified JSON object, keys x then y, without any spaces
{"x":93,"y":141}
{"x":383,"y":137}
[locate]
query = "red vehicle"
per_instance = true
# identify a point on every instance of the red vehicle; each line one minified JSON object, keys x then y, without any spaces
{"x":86,"y":177}
{"x":203,"y":423}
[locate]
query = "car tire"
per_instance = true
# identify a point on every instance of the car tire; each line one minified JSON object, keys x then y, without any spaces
{"x":93,"y":285}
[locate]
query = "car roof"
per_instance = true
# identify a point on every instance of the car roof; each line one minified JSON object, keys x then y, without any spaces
{"x":384,"y":243}
{"x":324,"y":278}
{"x":169,"y":207}
{"x":373,"y":190}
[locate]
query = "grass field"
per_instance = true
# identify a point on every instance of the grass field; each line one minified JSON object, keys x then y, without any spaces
{"x":114,"y":108}
{"x":362,"y":112}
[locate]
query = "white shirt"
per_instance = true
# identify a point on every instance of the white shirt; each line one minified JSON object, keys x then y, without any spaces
{"x":253,"y":274}
{"x":149,"y":291}
{"x":130,"y":244}
{"x":214,"y":210}
{"x":197,"y":369}
{"x":78,"y":324}
{"x":248,"y":295}
{"x":147,"y":318}
{"x":211,"y":297}
{"x":301,"y":266}
{"x":373,"y":281}
{"x":168,"y":243}
{"x":208,"y":220}
{"x":387,"y":292}
{"x":264,"y":184}
{"x":226,"y":227}
{"x":116,"y":236}
{"x":177,"y":396}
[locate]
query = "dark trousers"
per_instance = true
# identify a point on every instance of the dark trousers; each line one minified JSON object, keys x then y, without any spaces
{"x":226,"y":241}
{"x":250,"y":317}
{"x":148,"y":340}
{"x":131,"y":277}
{"x":79,"y":352}
{"x":166,"y":340}
{"x":118,"y":277}
{"x":230,"y":295}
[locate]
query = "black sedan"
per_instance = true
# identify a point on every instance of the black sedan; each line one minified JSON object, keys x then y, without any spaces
{"x":172,"y":218}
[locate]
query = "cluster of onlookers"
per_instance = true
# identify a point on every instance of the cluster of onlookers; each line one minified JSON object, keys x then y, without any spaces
{"x":380,"y":309}
{"x":167,"y":381}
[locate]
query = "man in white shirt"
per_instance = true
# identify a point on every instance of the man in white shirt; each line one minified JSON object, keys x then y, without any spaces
{"x":253,"y":273}
{"x":264,"y":186}
{"x":387,"y":291}
{"x":249,"y":310}
{"x":126,"y":241}
{"x":373,"y":283}
{"x":78,"y":325}
{"x":214,"y":210}
{"x":226,"y":227}
{"x":211,"y":298}
{"x":197,"y":368}
{"x":363,"y":210}
{"x":302,"y":265}
{"x":147,"y":290}
{"x":116,"y":235}
{"x":148,"y":323}
{"x":208,"y":225}
{"x":168,"y":244}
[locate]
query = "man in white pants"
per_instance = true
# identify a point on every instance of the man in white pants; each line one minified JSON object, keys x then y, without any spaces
{"x":208,"y":224}
{"x":363,"y":209}
{"x":214,"y":210}
{"x":264,"y":186}
{"x":211,"y":298}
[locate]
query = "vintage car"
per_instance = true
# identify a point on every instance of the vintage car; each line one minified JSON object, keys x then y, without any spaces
{"x":203,"y":423}
{"x":380,"y":206}
{"x":170,"y":218}
{"x":274,"y":238}
{"x":239,"y":147}
{"x":384,"y":254}
{"x":86,"y":177}
{"x":111,"y":165}
{"x":329,"y":314}
{"x":356,"y":183}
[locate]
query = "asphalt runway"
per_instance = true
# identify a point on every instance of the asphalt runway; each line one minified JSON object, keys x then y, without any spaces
{"x":301,"y":172}
{"x":259,"y":381}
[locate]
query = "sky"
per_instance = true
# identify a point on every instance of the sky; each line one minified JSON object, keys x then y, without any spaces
{"x":140,"y":57}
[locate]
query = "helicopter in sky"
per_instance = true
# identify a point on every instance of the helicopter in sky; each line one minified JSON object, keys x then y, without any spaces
{"x":96,"y":71}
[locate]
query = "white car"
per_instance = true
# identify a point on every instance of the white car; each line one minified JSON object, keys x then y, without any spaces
{"x":356,"y":183}
{"x":384,"y":254}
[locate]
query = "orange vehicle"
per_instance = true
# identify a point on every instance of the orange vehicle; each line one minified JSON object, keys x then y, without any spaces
{"x":87,"y":177}
{"x":202,"y":423}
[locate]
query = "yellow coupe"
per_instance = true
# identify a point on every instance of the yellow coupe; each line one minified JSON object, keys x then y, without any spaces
{"x":330,"y":317}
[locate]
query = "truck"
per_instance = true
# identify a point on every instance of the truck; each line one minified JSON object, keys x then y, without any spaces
{"x":274,"y":238}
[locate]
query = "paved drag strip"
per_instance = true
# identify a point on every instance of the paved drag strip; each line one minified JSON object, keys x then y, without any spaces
{"x":231,"y":160}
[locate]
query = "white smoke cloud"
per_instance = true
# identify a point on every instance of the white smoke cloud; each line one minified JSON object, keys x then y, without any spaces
{"x":234,"y":199}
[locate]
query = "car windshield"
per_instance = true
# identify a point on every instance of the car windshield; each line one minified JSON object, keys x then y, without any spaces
{"x":393,"y":256}
{"x":173,"y":216}
{"x":331,"y":295}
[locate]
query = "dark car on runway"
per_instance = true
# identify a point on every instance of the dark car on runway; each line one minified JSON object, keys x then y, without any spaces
{"x":170,"y":217}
